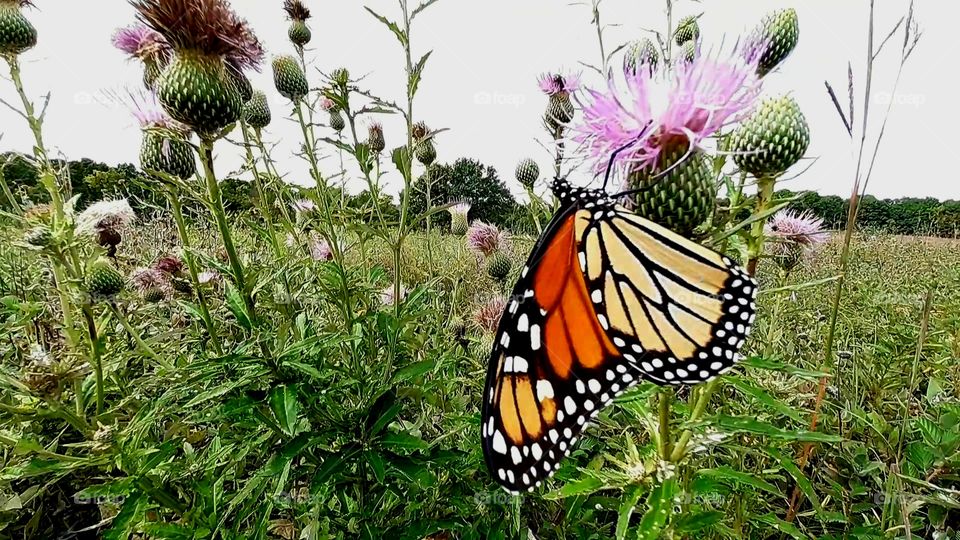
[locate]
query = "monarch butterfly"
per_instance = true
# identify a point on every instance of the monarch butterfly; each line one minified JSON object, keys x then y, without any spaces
{"x":606,"y":299}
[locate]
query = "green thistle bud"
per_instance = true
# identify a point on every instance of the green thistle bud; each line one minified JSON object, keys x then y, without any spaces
{"x":289,"y":78}
{"x":17,"y":34}
{"x":256,"y":112}
{"x":687,"y":30}
{"x":299,"y":33}
{"x":641,"y":53}
{"x":242,"y":83}
{"x":298,"y":14}
{"x":167,"y":155}
{"x":375,"y":139}
{"x":103,"y":279}
{"x":560,"y":110}
{"x":337,"y":123}
{"x":499,"y":265}
{"x":458,"y":225}
{"x":528,"y":172}
{"x":340,"y":76}
{"x":683,"y":197}
{"x":40,"y":236}
{"x":774,"y":138}
{"x":688,"y":52}
{"x":151,"y":72}
{"x":426,"y":152}
{"x":779,"y":32}
{"x":198,"y":91}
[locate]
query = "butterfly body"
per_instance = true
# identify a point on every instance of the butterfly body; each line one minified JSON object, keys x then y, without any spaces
{"x":606,"y":299}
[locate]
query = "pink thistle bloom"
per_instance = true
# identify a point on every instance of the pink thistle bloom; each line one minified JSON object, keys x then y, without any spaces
{"x":319,"y":248}
{"x":169,"y":265}
{"x":146,"y":108}
{"x":487,"y":315}
{"x":486,"y":239}
{"x":800,"y":228}
{"x":461,"y":209}
{"x":151,"y":279}
{"x":555,"y":83}
{"x":388,"y":295}
{"x":143,"y":43}
{"x":650,"y":115}
{"x":327,"y":104}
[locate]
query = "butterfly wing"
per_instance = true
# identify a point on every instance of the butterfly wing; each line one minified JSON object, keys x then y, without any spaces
{"x":552,"y":366}
{"x":677,"y":311}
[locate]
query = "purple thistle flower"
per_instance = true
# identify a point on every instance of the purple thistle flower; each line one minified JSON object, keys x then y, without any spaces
{"x":146,"y":108}
{"x":555,"y":83}
{"x":461,"y":209}
{"x":801,"y":228}
{"x":319,"y":248}
{"x":651,"y":114}
{"x":487,"y":315}
{"x":208,"y":27}
{"x":327,"y":104}
{"x":142,"y":43}
{"x":486,"y":239}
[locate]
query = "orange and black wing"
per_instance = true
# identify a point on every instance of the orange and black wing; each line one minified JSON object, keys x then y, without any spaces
{"x":606,"y":299}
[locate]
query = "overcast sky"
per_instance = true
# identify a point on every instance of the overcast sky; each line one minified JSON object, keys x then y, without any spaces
{"x":481,"y":83}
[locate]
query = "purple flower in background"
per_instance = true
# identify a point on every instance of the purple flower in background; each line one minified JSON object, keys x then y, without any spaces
{"x":487,"y":315}
{"x":142,"y":43}
{"x":648,"y":114}
{"x":319,"y":248}
{"x":486,"y":239}
{"x":555,"y":83}
{"x":793,"y":235}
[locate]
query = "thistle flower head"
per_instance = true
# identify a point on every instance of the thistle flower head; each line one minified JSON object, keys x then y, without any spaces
{"x":799,"y":228}
{"x":207,"y":27}
{"x":146,"y":108}
{"x":420,"y":131}
{"x":116,"y":215}
{"x":208,"y":277}
{"x":169,"y":265}
{"x":486,"y":239}
{"x":319,"y":248}
{"x":143,"y":43}
{"x":460,"y":209}
{"x":388,"y":296}
{"x":296,"y":10}
{"x":556,"y":83}
{"x":303,"y":206}
{"x":327,"y":104}
{"x":649,"y":115}
{"x":145,"y":280}
{"x":487,"y":315}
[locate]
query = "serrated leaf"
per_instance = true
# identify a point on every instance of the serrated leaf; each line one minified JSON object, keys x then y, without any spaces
{"x":583,"y":486}
{"x":803,"y":483}
{"x":285,"y":406}
{"x":413,"y":371}
{"x":416,"y":75}
{"x":627,"y":506}
{"x":401,"y":36}
{"x":237,"y":307}
{"x":741,"y":424}
{"x":377,"y":465}
{"x":403,"y":441}
{"x":660,"y":508}
{"x":421,"y":7}
{"x":761,"y":396}
{"x":729,"y":475}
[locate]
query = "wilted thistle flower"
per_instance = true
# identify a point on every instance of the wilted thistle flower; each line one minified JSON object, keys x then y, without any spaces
{"x":791,"y":236}
{"x":559,"y":87}
{"x":425,"y":152}
{"x":152,"y":284}
{"x":458,"y":218}
{"x":375,"y":139}
{"x":164,"y":147}
{"x":298,"y":14}
{"x":146,"y":45}
{"x":17,"y":34}
{"x":662,"y":123}
{"x":170,"y":265}
{"x":203,"y":86}
{"x":487,"y":315}
{"x":115,"y":214}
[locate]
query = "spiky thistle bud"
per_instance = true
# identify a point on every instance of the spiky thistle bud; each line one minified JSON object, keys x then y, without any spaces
{"x":299,"y":33}
{"x":425,"y":151}
{"x":208,"y":40}
{"x":777,"y":35}
{"x":772,"y":139}
{"x":459,"y":223}
{"x":256,"y":112}
{"x":165,"y":147}
{"x":688,"y":51}
{"x":375,"y":138}
{"x":17,"y":34}
{"x":559,"y":87}
{"x":679,"y":195}
{"x":499,"y":265}
{"x":146,"y":45}
{"x":337,"y":122}
{"x":103,"y":279}
{"x":528,"y":172}
{"x":688,"y":29}
{"x":289,"y":78}
{"x":641,"y":53}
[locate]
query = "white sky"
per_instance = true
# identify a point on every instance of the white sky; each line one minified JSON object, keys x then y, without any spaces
{"x":481,"y":80}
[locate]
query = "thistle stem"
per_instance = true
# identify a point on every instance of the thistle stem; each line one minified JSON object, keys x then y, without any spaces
{"x":142,"y":345}
{"x":177,"y":208}
{"x":765,"y":185}
{"x":95,"y":356}
{"x":699,"y":407}
{"x":665,"y":398}
{"x":219,"y":214}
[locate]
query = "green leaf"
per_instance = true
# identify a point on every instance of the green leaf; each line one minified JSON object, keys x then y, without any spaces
{"x":803,"y":483}
{"x":740,"y":424}
{"x":660,"y":509}
{"x":112,"y":490}
{"x":333,"y":464}
{"x":283,"y":402}
{"x":413,"y":371}
{"x":627,"y":507}
{"x":731,"y":476}
{"x":237,"y":307}
{"x":125,"y":522}
{"x":402,"y":160}
{"x":758,"y":362}
{"x":583,"y":486}
{"x":417,"y":74}
{"x":403,"y":441}
{"x":782,"y":526}
{"x":699,"y":521}
{"x":762,"y":397}
{"x":401,"y":36}
{"x":377,"y":465}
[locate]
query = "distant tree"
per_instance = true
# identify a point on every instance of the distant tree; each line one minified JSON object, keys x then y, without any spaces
{"x":466,"y":180}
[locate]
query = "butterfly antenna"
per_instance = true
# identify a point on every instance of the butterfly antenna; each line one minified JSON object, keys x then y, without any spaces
{"x":613,"y":156}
